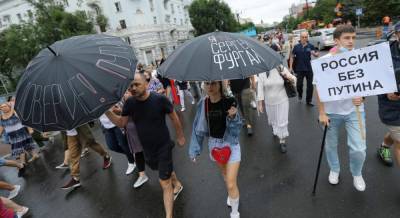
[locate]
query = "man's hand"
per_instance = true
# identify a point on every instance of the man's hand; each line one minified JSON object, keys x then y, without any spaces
{"x":232,"y":112}
{"x":315,"y":53}
{"x":181,"y":141}
{"x":393,"y":97}
{"x":260,"y":107}
{"x":357,"y":101}
{"x":324,"y":119}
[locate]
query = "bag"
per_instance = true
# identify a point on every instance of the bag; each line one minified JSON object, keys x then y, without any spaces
{"x":221,"y":155}
{"x":289,"y":86}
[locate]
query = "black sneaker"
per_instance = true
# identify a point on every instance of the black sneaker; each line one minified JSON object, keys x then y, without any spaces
{"x":71,"y":184}
{"x":249,"y":131}
{"x":385,"y":155}
{"x":310,"y":104}
{"x":283,"y":148}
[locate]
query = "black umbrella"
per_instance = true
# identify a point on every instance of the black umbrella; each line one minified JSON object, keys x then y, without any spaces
{"x":74,"y":81}
{"x":219,"y":56}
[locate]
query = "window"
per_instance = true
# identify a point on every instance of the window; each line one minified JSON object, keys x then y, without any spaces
{"x":151,"y":5}
{"x":19,"y":17}
{"x":123,"y":24}
{"x":118,"y":6}
{"x":66,"y":3}
{"x":6,"y":19}
{"x":172,"y":9}
{"x":30,"y":14}
{"x":181,"y":22}
{"x":166,"y":4}
{"x":128,"y":40}
{"x":174,"y":20}
{"x":155,"y":20}
{"x":168,"y":18}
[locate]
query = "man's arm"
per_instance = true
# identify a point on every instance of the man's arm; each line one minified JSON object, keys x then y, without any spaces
{"x":291,"y":61}
{"x":178,"y":128}
{"x":119,"y":121}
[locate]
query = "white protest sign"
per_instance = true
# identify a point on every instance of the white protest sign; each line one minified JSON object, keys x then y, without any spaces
{"x":360,"y":72}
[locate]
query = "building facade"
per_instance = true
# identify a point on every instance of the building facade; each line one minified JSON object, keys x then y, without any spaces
{"x":153,"y":27}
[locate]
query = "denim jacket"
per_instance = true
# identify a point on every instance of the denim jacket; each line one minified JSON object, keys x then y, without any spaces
{"x":200,"y":130}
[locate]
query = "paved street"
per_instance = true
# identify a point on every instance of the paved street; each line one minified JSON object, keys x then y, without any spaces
{"x":271,"y":184}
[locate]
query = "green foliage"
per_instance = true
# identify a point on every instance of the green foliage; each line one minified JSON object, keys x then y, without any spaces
{"x":210,"y":15}
{"x":50,"y":23}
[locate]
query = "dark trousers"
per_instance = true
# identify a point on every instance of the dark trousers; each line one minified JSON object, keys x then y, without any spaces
{"x":116,"y":141}
{"x":140,"y":162}
{"x":309,"y":77}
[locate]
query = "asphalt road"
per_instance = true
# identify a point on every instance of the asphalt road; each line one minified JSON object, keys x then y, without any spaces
{"x":271,"y":184}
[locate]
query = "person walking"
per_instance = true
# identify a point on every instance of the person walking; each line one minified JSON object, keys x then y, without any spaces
{"x":336,"y":113}
{"x":217,"y":119}
{"x":242,"y":89}
{"x":19,"y":136}
{"x":300,"y":63}
{"x":75,"y":138}
{"x":117,"y":142}
{"x":183,"y":89}
{"x":389,"y":109}
{"x":271,"y":90}
{"x":148,"y":111}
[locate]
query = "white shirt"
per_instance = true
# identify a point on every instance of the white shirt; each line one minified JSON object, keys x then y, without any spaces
{"x":105,"y":122}
{"x":341,"y":107}
{"x":271,"y":88}
{"x":72,"y":132}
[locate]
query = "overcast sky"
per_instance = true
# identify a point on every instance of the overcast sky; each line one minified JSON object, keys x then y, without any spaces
{"x":267,"y":10}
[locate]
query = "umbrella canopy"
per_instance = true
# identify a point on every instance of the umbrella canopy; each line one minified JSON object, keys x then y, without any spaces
{"x":74,"y":81}
{"x":219,"y":56}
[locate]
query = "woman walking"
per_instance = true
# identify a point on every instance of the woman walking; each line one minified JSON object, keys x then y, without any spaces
{"x":18,"y":135}
{"x":271,"y":90}
{"x":217,"y":119}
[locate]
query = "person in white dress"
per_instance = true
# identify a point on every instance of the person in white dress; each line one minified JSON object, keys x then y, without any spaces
{"x":271,"y":93}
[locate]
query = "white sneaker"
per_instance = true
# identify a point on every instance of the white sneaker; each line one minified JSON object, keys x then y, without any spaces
{"x":228,"y":202}
{"x":253,"y":104}
{"x":21,"y":213}
{"x":359,"y":183}
{"x":14,"y":192}
{"x":333,"y":178}
{"x":140,"y":181}
{"x":193,"y":102}
{"x":62,"y":166}
{"x":183,"y":109}
{"x":235,"y":215}
{"x":131,"y":168}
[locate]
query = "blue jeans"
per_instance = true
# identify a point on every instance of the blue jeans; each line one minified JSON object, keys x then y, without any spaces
{"x":356,"y":144}
{"x":116,"y":141}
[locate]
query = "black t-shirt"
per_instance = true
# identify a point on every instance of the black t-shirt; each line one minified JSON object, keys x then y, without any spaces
{"x":217,"y":113}
{"x":183,"y":85}
{"x":238,"y":85}
{"x":149,"y":118}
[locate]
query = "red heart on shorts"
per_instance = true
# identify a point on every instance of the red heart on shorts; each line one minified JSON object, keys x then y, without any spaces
{"x":221,"y":155}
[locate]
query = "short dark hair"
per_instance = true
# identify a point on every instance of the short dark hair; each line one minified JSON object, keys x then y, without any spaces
{"x":345,"y":28}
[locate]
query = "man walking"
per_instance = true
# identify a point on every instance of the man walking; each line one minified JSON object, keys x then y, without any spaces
{"x":389,"y":109}
{"x":75,"y":138}
{"x":148,"y":112}
{"x":300,"y":62}
{"x":336,"y":113}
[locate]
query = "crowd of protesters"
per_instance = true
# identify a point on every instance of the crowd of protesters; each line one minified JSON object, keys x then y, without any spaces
{"x":136,"y":126}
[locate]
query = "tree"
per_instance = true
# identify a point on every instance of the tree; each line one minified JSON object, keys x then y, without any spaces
{"x":375,"y":10}
{"x":209,"y":15}
{"x":20,"y":43}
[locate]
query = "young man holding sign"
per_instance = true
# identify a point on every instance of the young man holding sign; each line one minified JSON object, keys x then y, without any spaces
{"x":349,"y":112}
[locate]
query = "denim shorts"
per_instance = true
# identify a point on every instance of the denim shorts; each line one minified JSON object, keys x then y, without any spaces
{"x":2,"y":161}
{"x":219,"y":143}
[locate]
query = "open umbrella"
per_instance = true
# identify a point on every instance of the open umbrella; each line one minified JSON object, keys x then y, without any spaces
{"x":74,"y":81}
{"x":219,"y":56}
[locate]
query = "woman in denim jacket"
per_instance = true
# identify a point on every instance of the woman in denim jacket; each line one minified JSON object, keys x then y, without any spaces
{"x":217,"y":119}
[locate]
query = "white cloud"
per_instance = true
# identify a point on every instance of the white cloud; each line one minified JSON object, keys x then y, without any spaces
{"x":267,"y":10}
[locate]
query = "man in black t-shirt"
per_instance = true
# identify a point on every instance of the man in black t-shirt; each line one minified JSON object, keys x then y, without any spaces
{"x":148,"y":111}
{"x":243,"y":90}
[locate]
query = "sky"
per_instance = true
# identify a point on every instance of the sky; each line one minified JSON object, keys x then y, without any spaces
{"x":267,"y":10}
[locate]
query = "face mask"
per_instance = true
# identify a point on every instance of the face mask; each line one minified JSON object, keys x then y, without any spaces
{"x":343,"y":49}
